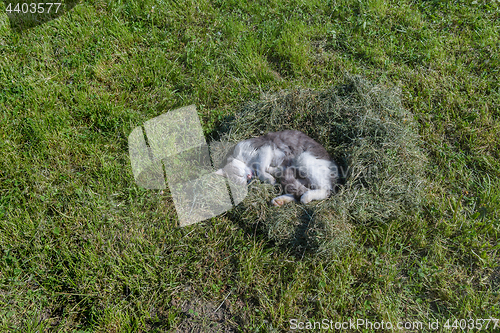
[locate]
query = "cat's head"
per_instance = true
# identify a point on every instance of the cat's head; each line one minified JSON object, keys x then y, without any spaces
{"x":237,"y":171}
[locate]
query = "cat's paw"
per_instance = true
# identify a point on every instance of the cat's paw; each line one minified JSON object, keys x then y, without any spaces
{"x":305,"y":199}
{"x":283,"y":199}
{"x":311,"y":195}
{"x":277,"y":202}
{"x":268,"y":179}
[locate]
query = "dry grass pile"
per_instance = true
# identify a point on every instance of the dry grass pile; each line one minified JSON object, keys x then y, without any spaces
{"x":368,"y":132}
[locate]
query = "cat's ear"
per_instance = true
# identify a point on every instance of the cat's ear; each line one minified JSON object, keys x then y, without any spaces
{"x":220,"y":172}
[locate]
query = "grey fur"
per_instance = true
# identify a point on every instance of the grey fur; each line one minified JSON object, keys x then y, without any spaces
{"x":292,"y":143}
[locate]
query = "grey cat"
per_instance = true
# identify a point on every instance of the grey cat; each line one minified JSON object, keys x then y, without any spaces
{"x":302,"y":166}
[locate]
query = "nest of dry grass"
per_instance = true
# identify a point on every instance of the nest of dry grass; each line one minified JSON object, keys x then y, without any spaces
{"x":368,"y":132}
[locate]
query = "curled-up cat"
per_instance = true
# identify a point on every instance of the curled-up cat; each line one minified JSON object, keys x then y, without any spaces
{"x":301,"y":165}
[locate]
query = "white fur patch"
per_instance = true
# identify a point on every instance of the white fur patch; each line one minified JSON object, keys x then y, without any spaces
{"x":317,"y":170}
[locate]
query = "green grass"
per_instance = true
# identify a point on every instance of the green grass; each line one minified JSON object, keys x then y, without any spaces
{"x":83,"y":248}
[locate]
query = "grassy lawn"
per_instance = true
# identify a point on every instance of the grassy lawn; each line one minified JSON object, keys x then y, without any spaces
{"x":83,"y":248}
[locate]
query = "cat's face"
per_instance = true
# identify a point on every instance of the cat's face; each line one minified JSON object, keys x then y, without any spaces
{"x":237,"y":171}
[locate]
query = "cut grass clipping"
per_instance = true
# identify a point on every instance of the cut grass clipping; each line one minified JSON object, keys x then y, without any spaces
{"x":372,"y":137}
